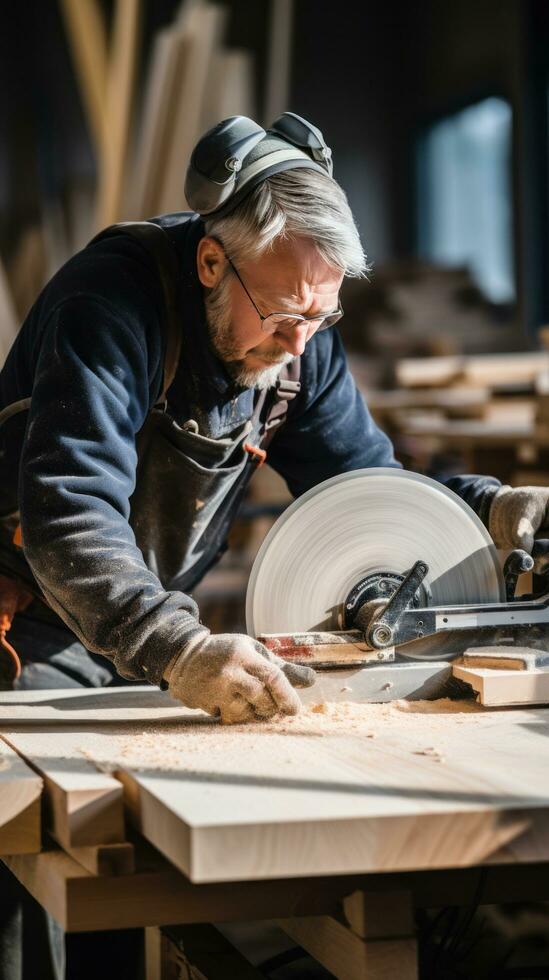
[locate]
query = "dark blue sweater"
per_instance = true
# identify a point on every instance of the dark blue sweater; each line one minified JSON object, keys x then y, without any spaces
{"x":90,"y":353}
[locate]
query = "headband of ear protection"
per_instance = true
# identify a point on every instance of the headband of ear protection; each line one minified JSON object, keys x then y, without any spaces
{"x":236,"y":155}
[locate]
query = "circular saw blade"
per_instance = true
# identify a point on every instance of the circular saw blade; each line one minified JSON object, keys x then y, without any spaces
{"x":359,"y":523}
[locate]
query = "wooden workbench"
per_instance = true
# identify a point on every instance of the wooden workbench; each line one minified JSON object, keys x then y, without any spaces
{"x":345,"y":795}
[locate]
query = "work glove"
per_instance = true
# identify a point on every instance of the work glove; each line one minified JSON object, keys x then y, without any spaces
{"x":236,"y":678}
{"x":517,"y":514}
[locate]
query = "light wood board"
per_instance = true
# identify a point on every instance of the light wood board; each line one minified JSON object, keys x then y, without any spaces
{"x":348,"y":956}
{"x":119,"y":98}
{"x":84,"y":804}
{"x":495,"y":370}
{"x":496,"y":688}
{"x":341,"y":789}
{"x":203,"y":27}
{"x":20,"y":792}
{"x":88,"y":42}
{"x":158,"y":894}
{"x":87,"y":706}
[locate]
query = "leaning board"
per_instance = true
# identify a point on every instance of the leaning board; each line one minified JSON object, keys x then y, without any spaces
{"x":340,"y":789}
{"x":20,"y":791}
{"x":88,"y":706}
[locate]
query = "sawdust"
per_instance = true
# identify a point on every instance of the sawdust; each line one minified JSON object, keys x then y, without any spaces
{"x":436,"y":754}
{"x":175,"y":745}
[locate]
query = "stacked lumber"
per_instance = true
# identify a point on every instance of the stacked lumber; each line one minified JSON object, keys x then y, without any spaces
{"x":233,"y":804}
{"x":84,"y":807}
{"x":239,"y":824}
{"x":475,"y":413}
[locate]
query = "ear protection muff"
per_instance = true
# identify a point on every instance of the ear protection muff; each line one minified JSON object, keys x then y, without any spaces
{"x":237,"y":154}
{"x":301,"y":133}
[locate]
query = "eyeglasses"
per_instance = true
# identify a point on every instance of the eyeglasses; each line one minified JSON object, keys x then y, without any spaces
{"x":286,"y":321}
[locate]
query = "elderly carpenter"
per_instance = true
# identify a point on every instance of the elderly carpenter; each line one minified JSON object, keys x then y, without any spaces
{"x":124,"y":506}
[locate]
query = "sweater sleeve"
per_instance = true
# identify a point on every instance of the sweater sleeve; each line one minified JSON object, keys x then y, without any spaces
{"x":78,"y":470}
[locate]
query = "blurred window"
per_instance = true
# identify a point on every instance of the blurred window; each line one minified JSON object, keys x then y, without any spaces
{"x":465,"y":213}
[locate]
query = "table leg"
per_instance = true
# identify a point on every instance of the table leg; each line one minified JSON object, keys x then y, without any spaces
{"x":372,"y":940}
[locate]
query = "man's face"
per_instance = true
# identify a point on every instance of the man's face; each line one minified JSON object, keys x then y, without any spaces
{"x":290,"y":278}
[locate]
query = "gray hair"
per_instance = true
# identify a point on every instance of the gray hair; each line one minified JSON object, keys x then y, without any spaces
{"x":295,"y":203}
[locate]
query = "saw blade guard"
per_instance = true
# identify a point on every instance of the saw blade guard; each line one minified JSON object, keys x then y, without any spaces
{"x":366,"y":523}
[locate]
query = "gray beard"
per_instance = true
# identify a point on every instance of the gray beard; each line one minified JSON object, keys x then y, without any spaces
{"x":218,"y":317}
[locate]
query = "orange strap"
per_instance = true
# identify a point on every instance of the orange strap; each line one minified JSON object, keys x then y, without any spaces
{"x":257,"y":454}
{"x":5,"y":625}
{"x":13,"y":598}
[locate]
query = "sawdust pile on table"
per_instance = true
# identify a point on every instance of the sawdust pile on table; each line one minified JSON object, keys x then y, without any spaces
{"x":168,"y":745}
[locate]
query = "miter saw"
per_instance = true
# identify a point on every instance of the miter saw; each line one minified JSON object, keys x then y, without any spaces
{"x":379,"y":578}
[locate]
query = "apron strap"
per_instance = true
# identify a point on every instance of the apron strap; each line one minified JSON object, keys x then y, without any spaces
{"x":154,"y":239}
{"x":287,"y":388}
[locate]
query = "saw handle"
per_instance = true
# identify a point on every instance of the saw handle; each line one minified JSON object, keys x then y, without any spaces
{"x":516,"y":563}
{"x":379,"y":632}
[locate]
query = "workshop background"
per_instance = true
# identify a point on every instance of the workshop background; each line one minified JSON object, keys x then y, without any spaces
{"x":436,"y":113}
{"x":437,"y":117}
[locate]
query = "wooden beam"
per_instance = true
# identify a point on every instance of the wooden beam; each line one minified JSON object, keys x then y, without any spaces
{"x":120,"y":90}
{"x":84,"y":706}
{"x":83,"y":806}
{"x":348,"y":956}
{"x":20,"y":792}
{"x":279,"y":59}
{"x":170,"y":53}
{"x":203,"y":29}
{"x":498,"y":688}
{"x":157,"y":894}
{"x":88,"y":43}
{"x":372,"y":915}
{"x":105,"y":859}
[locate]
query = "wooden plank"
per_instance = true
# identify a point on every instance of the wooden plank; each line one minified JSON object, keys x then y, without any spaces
{"x":504,"y":657}
{"x":9,"y":323}
{"x":279,"y":59}
{"x":456,"y":402}
{"x":203,"y":28}
{"x":83,"y":805}
{"x":348,"y":956}
{"x":340,"y":789}
{"x":120,"y":88}
{"x":20,"y":792}
{"x":230,"y":87}
{"x":105,"y":859}
{"x":157,"y":894}
{"x":170,"y":53}
{"x":498,"y":688}
{"x":86,"y":706}
{"x":304,"y":798}
{"x":493,"y":370}
{"x":88,"y":43}
{"x":374,"y":916}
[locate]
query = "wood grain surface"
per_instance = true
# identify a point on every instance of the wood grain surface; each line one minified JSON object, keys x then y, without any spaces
{"x":20,"y":791}
{"x":339,"y":789}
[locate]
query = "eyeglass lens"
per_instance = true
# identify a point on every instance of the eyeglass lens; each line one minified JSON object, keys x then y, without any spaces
{"x":277,"y":321}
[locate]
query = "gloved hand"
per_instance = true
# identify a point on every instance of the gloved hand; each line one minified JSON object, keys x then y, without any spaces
{"x":517,"y":514}
{"x":235,"y":677}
